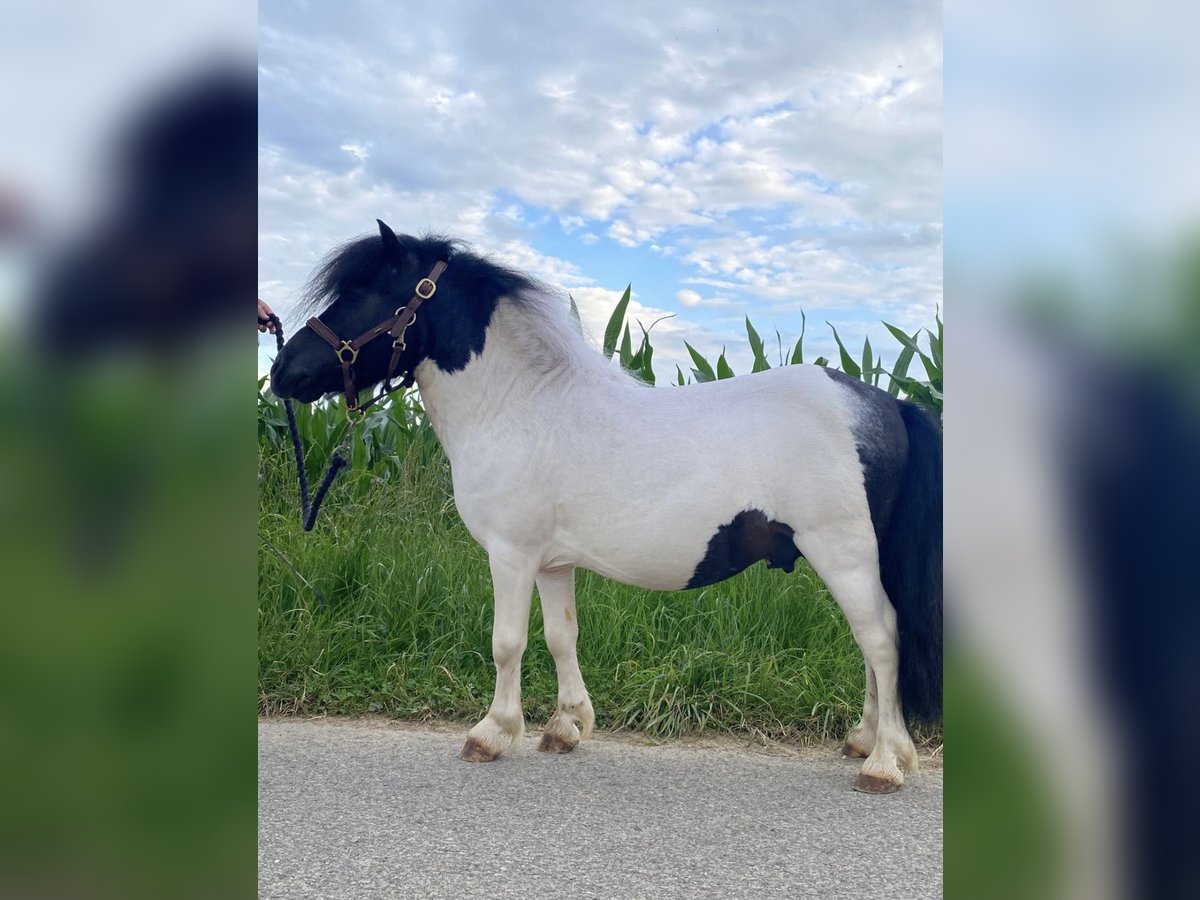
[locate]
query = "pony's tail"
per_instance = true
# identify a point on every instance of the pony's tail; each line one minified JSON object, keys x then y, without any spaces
{"x":910,"y":565}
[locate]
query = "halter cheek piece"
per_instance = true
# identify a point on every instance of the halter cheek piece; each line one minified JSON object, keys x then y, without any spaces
{"x":395,"y":325}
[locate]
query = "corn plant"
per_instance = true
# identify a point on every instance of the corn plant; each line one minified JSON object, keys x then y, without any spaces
{"x":639,"y":363}
{"x":868,"y":368}
{"x":396,"y":429}
{"x":928,"y":392}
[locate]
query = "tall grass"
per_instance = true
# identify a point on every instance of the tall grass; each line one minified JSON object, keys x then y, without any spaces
{"x":386,"y":606}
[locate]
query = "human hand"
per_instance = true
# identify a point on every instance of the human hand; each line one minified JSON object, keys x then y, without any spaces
{"x":264,"y":318}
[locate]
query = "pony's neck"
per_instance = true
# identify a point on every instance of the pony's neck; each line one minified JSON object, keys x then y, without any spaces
{"x":529,"y":363}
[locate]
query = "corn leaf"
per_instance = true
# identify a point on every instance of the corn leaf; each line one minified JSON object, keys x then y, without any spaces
{"x":627,"y":349}
{"x":935,"y":349}
{"x":880,"y":369}
{"x":642,"y":360}
{"x":613,"y":330}
{"x":702,"y":364}
{"x":909,"y":342}
{"x":798,"y":353}
{"x":647,"y":368}
{"x":904,"y":360}
{"x":756,"y":347}
{"x":849,"y":366}
{"x":932,"y":369}
{"x":724,"y":370}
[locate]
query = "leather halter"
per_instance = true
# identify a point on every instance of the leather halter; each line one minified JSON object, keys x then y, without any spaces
{"x":395,"y":325}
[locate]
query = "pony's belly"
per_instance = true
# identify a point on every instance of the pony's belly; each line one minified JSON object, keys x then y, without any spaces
{"x":664,"y":560}
{"x":651,"y":577}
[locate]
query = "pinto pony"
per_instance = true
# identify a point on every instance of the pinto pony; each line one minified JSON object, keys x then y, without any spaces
{"x":534,"y":421}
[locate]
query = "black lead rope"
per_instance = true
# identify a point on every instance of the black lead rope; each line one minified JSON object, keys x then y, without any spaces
{"x":337,"y":462}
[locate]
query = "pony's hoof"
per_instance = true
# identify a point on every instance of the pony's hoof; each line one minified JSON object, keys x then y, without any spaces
{"x":849,"y":751}
{"x":876,"y":784}
{"x":554,"y":743}
{"x":474,"y":751}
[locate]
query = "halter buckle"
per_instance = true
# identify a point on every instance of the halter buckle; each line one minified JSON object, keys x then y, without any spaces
{"x":430,"y":286}
{"x":398,"y":342}
{"x":342,"y":349}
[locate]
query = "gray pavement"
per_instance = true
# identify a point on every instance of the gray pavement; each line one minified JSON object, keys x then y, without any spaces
{"x":357,"y":809}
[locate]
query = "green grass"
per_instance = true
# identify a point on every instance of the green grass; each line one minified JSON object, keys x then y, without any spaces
{"x":407,"y":628}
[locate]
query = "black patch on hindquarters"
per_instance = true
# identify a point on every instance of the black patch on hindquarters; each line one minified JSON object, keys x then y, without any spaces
{"x":900,"y":448}
{"x":881,"y":439}
{"x":751,"y":536}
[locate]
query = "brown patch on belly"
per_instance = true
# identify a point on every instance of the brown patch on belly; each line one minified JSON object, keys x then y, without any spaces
{"x":567,"y":613}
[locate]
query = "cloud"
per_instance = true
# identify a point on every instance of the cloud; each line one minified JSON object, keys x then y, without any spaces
{"x":358,"y":151}
{"x":787,"y":157}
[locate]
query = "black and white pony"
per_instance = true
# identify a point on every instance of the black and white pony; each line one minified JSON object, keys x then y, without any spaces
{"x":807,"y":462}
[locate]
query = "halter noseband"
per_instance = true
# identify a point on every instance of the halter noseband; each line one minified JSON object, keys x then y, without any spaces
{"x":395,"y":325}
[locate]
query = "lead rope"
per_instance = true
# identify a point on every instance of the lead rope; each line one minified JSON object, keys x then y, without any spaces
{"x":337,"y":462}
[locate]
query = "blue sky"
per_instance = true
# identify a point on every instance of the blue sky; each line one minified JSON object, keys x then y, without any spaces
{"x":779,"y":157}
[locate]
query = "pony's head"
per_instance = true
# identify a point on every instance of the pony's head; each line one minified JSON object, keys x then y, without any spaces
{"x":364,"y":283}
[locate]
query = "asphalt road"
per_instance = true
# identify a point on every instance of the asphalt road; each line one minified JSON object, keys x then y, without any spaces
{"x":372,"y":809}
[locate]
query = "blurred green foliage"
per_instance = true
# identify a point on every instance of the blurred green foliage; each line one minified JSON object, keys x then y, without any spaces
{"x":128,"y":645}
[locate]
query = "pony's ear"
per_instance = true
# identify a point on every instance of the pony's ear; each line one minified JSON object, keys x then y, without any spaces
{"x":391,"y":243}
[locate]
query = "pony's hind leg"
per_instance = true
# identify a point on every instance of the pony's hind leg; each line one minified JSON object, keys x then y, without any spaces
{"x":504,"y":723}
{"x":846,"y":561}
{"x":556,"y":587}
{"x":861,"y":739}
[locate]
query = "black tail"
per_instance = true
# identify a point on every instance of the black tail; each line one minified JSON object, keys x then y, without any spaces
{"x":910,"y":565}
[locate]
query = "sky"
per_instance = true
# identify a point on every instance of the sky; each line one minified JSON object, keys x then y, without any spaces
{"x":758,"y":159}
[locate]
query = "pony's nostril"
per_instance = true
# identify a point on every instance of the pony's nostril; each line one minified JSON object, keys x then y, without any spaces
{"x":279,"y":382}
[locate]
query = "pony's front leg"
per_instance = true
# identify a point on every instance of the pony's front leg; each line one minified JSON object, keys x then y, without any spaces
{"x":512,"y":581}
{"x":556,"y":588}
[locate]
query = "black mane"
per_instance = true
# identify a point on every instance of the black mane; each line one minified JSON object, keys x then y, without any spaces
{"x":451,"y":328}
{"x":360,"y":261}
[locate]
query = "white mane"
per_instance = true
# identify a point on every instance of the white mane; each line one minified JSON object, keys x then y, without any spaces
{"x":539,"y":326}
